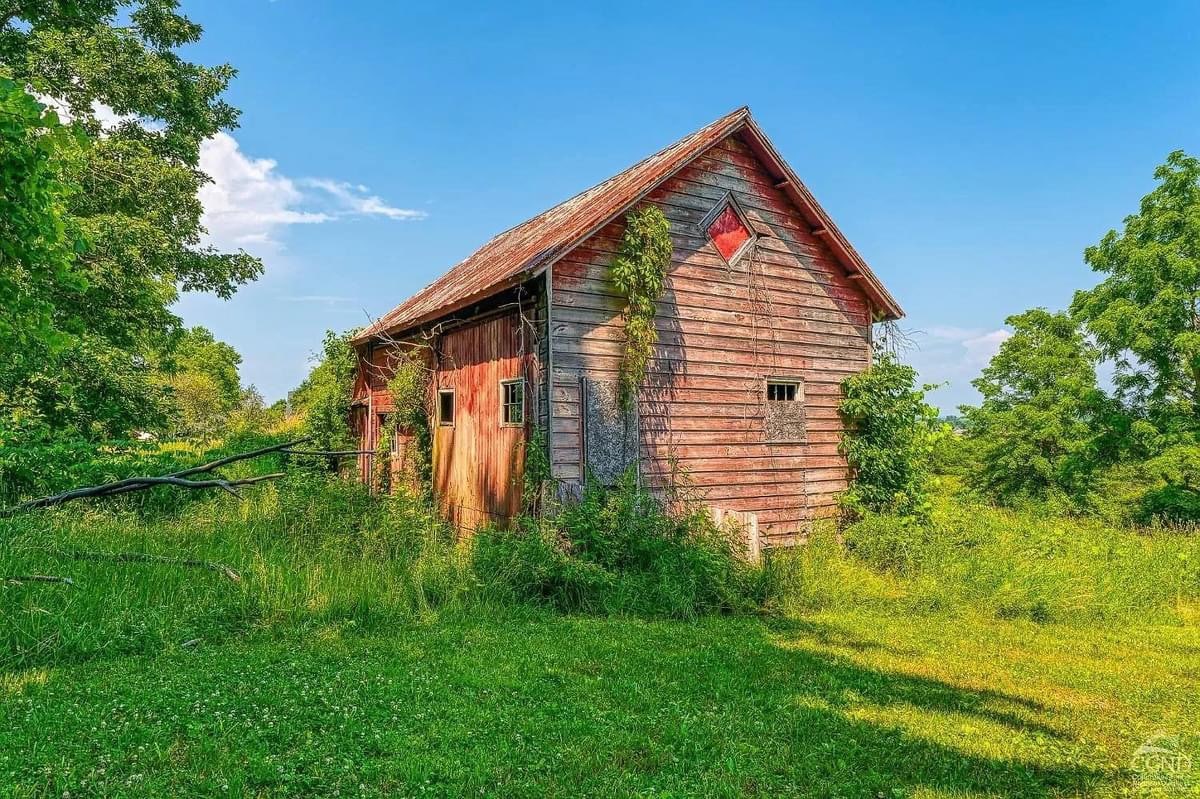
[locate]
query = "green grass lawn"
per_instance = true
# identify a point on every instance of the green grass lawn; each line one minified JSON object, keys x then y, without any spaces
{"x":833,"y":704}
{"x":996,"y":653}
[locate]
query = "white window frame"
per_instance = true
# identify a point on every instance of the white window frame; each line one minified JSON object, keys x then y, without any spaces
{"x":512,"y":381}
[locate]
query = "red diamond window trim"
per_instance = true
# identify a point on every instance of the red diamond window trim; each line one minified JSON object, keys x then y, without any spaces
{"x":726,"y":227}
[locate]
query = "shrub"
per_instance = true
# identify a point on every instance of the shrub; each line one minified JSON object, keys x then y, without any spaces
{"x":619,"y":551}
{"x":891,"y":432}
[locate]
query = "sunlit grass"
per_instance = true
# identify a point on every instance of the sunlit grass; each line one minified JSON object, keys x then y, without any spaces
{"x":1006,"y":654}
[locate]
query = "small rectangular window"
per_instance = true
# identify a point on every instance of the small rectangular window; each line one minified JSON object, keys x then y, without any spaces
{"x":783,"y":414}
{"x":446,"y":407}
{"x":781,"y":392}
{"x":512,"y":402}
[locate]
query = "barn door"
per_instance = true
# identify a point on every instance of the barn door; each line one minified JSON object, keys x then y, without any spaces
{"x":479,"y":423}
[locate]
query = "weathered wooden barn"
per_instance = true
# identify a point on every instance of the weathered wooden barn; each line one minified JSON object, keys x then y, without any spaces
{"x":767,"y":308}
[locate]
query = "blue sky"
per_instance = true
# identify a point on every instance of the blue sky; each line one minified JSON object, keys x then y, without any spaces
{"x":970,"y":151}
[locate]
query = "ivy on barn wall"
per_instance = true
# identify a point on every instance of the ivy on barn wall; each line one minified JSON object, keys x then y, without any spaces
{"x":639,"y":272}
{"x":409,"y":389}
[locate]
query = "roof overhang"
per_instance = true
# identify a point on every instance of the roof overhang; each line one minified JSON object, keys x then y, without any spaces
{"x":740,"y":123}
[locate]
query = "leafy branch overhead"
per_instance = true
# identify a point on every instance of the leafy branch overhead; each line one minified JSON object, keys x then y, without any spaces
{"x":639,"y":272}
{"x":111,"y":208}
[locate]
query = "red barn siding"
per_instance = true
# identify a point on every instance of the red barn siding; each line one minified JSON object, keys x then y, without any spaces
{"x":786,"y":309}
{"x":478,"y":464}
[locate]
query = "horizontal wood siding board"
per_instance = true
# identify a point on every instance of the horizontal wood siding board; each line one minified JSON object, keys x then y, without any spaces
{"x":785,"y":309}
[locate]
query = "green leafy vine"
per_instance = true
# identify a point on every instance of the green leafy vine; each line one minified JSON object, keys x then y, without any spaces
{"x":409,"y":388}
{"x":639,"y":272}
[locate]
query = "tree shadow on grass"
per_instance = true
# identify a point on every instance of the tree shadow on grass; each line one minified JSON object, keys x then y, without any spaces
{"x":830,"y":691}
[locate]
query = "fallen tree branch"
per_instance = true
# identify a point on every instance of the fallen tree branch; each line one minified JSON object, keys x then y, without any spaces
{"x":179,"y":478}
{"x":37,"y":578}
{"x":145,"y":557}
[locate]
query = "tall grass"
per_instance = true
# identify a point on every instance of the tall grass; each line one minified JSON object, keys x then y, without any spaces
{"x":313,"y":552}
{"x":1004,"y":563}
{"x":317,"y":554}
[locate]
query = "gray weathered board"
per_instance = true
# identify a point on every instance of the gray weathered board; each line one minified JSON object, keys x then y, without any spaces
{"x":610,"y":431}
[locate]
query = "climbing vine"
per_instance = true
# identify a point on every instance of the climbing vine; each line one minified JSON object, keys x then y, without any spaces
{"x":537,"y":469}
{"x":409,"y":388}
{"x":639,"y":272}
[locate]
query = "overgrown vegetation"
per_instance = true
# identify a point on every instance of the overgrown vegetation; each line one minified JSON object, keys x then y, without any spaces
{"x":892,"y":433}
{"x":1045,"y":431}
{"x":411,"y":396}
{"x":638,"y":272}
{"x":620,"y":551}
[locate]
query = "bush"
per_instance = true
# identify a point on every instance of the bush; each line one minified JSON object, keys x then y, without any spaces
{"x":619,"y":552}
{"x":891,"y":432}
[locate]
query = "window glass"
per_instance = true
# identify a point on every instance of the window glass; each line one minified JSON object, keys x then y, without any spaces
{"x":512,"y":397}
{"x":446,"y":406}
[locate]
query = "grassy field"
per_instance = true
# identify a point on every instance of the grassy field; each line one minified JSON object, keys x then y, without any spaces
{"x":358,"y":657}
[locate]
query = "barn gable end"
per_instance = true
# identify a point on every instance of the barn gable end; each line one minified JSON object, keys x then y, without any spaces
{"x":784,"y":311}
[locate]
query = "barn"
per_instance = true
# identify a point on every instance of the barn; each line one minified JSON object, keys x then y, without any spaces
{"x":766,"y":309}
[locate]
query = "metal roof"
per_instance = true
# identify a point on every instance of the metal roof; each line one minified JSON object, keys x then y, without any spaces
{"x":519,"y":253}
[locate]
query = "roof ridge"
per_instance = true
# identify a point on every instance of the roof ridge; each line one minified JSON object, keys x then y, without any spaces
{"x":390,"y":319}
{"x":515,"y":255}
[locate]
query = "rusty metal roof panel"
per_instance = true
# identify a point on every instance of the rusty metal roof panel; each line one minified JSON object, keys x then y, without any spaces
{"x":517,"y":254}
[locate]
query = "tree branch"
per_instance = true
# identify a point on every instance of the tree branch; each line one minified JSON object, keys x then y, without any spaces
{"x":179,"y":478}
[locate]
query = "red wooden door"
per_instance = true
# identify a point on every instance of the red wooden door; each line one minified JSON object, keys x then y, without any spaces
{"x":478,"y":453}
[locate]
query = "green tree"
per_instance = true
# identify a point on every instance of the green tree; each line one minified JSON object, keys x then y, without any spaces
{"x":37,"y":248}
{"x":1044,"y":426}
{"x":891,"y":433}
{"x":1145,"y":315}
{"x":201,"y":375}
{"x":323,"y":399}
{"x":137,"y":207}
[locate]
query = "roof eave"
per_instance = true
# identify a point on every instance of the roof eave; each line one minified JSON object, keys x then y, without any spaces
{"x":885,"y":305}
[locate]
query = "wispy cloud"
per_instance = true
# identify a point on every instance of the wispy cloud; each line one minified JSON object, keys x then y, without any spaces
{"x":357,"y":200}
{"x":954,"y":356}
{"x":250,"y":202}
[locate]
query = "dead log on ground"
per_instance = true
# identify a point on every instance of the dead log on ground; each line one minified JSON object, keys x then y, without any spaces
{"x":178,"y":478}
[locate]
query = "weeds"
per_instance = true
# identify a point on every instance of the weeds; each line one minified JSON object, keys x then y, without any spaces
{"x":619,"y":552}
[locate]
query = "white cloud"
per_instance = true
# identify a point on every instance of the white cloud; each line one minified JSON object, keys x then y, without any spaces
{"x":982,"y":348}
{"x":357,"y":200}
{"x":249,"y":201}
{"x":953,"y":357}
{"x":970,"y":346}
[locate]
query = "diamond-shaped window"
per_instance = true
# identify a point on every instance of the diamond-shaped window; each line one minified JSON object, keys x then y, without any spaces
{"x":728,"y":232}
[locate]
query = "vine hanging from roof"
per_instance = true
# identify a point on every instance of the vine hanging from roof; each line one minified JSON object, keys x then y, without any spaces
{"x":639,"y":272}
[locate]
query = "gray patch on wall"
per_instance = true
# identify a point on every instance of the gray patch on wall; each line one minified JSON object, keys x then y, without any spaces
{"x":784,"y":421}
{"x":610,"y":432}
